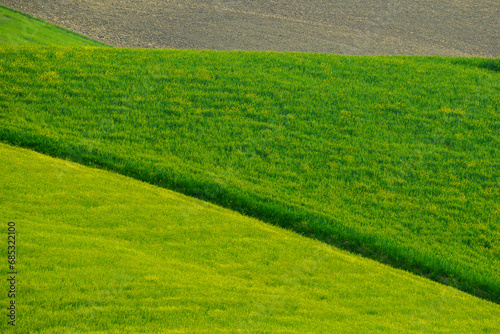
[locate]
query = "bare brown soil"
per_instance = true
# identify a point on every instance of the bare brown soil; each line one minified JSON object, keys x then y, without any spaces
{"x":423,"y":27}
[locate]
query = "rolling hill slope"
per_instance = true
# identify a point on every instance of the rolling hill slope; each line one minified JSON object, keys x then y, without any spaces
{"x":18,"y":29}
{"x":392,"y":157}
{"x":354,"y":27}
{"x":98,"y":252}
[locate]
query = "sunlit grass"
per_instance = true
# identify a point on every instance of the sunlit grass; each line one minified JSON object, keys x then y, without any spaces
{"x":99,"y":252}
{"x":392,"y":157}
{"x":20,"y":29}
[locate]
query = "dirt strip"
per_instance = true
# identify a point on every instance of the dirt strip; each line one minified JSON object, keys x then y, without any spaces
{"x":355,"y":27}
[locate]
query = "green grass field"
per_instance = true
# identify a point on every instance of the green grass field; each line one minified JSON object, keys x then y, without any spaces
{"x":396,"y":158}
{"x":102,"y":253}
{"x":18,"y":29}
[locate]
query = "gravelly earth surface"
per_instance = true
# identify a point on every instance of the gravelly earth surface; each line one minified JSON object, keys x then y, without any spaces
{"x":423,"y":27}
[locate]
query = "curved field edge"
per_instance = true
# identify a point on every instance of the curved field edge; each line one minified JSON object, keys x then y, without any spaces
{"x":344,"y":26}
{"x":21,"y":29}
{"x":98,"y":251}
{"x":392,"y":157}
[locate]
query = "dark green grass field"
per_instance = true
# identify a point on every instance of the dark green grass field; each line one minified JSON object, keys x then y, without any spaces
{"x":396,"y":158}
{"x":98,"y":252}
{"x":18,"y":29}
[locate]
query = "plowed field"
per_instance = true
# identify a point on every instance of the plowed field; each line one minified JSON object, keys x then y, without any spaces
{"x":424,"y":27}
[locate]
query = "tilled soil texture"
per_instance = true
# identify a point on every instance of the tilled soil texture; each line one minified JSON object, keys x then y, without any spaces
{"x":412,"y":27}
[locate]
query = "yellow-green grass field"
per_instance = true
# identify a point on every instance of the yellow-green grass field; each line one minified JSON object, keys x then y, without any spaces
{"x":18,"y":29}
{"x":98,"y":252}
{"x":396,"y":158}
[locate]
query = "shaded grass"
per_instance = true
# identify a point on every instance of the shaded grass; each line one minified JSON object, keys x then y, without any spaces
{"x":395,"y":158}
{"x":21,"y":29}
{"x":99,"y":252}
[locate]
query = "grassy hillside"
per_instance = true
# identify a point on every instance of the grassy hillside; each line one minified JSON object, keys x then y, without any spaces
{"x":396,"y":158}
{"x":379,"y":27}
{"x":17,"y":29}
{"x":102,"y":253}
